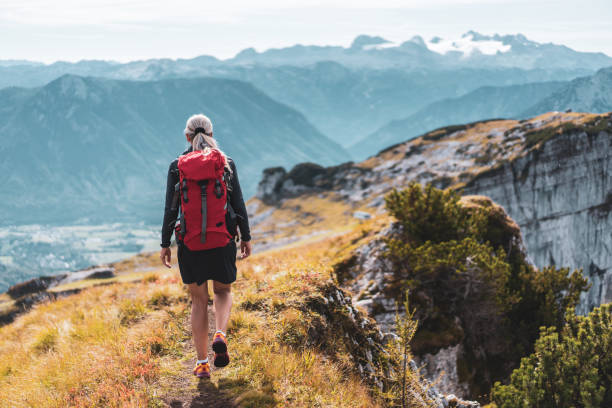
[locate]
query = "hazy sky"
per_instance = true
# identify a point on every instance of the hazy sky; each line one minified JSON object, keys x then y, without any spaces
{"x":50,"y":30}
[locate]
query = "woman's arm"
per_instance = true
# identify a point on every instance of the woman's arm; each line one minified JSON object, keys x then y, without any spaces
{"x":237,"y":203}
{"x":170,"y":213}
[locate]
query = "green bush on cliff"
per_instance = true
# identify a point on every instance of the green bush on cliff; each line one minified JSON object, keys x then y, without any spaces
{"x":470,"y":283}
{"x":430,"y":214}
{"x":570,"y":368}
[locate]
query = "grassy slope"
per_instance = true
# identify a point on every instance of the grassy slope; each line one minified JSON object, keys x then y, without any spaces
{"x":127,"y":343}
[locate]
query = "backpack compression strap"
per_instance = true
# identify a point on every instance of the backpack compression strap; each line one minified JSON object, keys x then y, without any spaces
{"x":203,"y":184}
{"x":185,"y":198}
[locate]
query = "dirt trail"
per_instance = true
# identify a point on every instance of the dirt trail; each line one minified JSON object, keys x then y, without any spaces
{"x":189,"y":391}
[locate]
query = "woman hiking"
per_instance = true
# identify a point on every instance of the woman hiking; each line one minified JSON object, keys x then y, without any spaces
{"x":203,"y":184}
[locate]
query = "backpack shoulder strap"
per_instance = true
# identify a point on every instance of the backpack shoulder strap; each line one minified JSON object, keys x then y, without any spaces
{"x":227,"y":178}
{"x":175,"y":197}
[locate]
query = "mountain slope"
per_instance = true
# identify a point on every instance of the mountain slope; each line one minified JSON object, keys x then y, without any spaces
{"x":587,"y":94}
{"x":483,"y":103}
{"x":103,"y":147}
{"x":469,"y":51}
{"x":551,"y":173}
{"x":350,"y":92}
{"x":345,"y":103}
{"x":349,"y":104}
{"x":296,"y":339}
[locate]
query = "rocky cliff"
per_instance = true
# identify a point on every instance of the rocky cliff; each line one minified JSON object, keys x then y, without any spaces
{"x":561,"y":196}
{"x":551,"y":173}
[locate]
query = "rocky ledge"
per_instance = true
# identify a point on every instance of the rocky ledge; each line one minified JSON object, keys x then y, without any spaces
{"x":25,"y":294}
{"x":551,"y":173}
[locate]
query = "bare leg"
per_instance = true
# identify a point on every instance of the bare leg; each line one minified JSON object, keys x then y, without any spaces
{"x":223,"y":304}
{"x":199,"y":318}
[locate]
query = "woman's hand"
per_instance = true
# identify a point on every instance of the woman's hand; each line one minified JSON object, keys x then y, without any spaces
{"x":245,"y":249}
{"x":166,"y":256}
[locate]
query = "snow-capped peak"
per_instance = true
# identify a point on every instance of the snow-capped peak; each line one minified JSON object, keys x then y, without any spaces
{"x":469,"y":43}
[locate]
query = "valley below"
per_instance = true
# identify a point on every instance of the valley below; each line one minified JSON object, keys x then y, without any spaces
{"x":30,"y":251}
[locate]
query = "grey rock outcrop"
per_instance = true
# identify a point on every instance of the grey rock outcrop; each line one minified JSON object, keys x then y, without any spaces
{"x":561,"y":196}
{"x":95,"y":272}
{"x":34,"y":285}
{"x":270,"y":183}
{"x":366,"y":275}
{"x":367,"y":342}
{"x":28,"y":293}
{"x":443,"y":366}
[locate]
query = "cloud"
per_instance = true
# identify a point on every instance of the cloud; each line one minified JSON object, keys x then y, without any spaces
{"x":113,"y":12}
{"x":124,"y":30}
{"x":104,"y":12}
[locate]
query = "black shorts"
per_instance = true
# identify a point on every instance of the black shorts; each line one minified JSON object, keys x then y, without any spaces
{"x":209,"y":264}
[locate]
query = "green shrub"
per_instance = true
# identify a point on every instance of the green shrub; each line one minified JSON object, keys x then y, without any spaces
{"x":470,"y":283}
{"x":571,"y":368}
{"x":406,"y":387}
{"x":430,"y":214}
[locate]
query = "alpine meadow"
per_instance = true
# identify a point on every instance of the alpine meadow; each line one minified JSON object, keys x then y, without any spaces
{"x":319,"y":205}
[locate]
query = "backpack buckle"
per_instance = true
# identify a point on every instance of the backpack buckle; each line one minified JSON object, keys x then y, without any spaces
{"x":218,"y":189}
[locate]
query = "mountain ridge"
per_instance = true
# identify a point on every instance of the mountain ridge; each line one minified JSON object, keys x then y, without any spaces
{"x":365,"y":52}
{"x":484,"y":103}
{"x":470,"y":42}
{"x":517,"y":101}
{"x":529,"y":167}
{"x":75,"y":123}
{"x":584,"y":94}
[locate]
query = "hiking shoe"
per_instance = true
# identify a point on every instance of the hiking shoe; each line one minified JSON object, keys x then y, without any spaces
{"x":221,"y":359}
{"x":219,"y":346}
{"x":202,"y":370}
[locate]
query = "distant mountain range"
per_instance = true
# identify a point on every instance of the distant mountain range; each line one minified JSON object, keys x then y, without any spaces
{"x":347,"y":104}
{"x":471,"y":50}
{"x":350,"y":92}
{"x":364,"y":97}
{"x":586,"y":94}
{"x":98,"y":148}
{"x":344,"y":103}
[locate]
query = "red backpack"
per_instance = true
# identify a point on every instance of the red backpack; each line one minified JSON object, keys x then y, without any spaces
{"x":203,"y":201}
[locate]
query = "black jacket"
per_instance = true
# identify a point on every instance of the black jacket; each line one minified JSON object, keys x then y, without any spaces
{"x":235,"y":200}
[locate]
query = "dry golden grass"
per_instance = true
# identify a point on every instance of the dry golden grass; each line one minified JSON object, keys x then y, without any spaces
{"x":483,"y":134}
{"x":267,"y":328}
{"x":88,"y":349}
{"x":125,"y":343}
{"x":305,"y":216}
